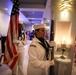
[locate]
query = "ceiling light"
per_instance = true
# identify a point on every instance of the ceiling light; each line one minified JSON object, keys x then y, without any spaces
{"x":33,"y":12}
{"x":65,"y":5}
{"x":6,"y":8}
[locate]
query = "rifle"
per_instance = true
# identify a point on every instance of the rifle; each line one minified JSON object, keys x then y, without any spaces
{"x":51,"y":69}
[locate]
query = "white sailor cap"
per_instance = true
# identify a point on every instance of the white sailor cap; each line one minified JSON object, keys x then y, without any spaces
{"x":38,"y":26}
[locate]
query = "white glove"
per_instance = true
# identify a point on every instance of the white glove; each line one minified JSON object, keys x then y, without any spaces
{"x":24,"y":42}
{"x":52,"y":62}
{"x":52,"y":43}
{"x":16,"y":41}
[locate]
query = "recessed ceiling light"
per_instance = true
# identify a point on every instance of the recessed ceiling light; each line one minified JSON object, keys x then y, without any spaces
{"x":33,"y":12}
{"x":6,"y":8}
{"x":32,"y":22}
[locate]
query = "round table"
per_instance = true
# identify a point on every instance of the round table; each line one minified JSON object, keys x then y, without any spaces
{"x":62,"y":64}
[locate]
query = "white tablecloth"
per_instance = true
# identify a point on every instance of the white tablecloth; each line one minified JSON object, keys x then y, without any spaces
{"x":62,"y":64}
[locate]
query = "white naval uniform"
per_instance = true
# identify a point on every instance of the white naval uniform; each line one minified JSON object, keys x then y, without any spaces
{"x":18,"y":70}
{"x":37,"y":64}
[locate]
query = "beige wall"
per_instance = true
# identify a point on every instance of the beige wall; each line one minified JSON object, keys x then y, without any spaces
{"x":70,"y":16}
{"x":4,"y":22}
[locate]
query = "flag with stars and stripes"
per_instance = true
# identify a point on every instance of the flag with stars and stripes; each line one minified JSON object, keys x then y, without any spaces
{"x":11,"y":54}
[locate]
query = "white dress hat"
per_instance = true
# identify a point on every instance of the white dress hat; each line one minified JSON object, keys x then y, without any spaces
{"x":38,"y":26}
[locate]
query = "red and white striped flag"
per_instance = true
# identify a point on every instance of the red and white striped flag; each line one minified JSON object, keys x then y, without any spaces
{"x":11,"y":54}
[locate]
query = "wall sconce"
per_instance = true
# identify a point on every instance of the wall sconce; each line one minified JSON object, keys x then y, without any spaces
{"x":65,"y":5}
{"x":63,"y":45}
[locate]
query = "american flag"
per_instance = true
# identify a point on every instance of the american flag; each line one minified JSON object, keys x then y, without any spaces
{"x":11,"y":54}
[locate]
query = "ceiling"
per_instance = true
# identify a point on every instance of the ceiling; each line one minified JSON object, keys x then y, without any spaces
{"x":34,"y":10}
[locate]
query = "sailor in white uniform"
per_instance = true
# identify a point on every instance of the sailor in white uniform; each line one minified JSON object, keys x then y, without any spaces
{"x":20,"y":43}
{"x":39,"y":53}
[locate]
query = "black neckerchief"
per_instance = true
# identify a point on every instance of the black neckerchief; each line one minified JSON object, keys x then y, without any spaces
{"x":45,"y":45}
